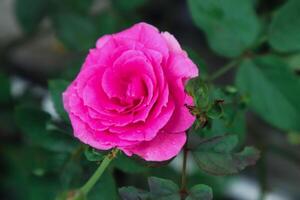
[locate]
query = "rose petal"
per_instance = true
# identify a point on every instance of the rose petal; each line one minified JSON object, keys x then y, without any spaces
{"x":163,"y":147}
{"x":145,"y":34}
{"x":182,"y":119}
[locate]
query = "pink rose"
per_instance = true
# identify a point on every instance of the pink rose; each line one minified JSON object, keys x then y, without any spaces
{"x":130,"y":94}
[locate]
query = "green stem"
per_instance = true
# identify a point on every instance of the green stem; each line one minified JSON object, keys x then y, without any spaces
{"x":97,"y":174}
{"x":183,"y":173}
{"x":224,"y":69}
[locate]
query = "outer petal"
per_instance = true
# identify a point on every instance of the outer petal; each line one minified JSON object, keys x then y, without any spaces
{"x":145,"y":34}
{"x":180,"y":65}
{"x":172,"y":43}
{"x":182,"y":119}
{"x":83,"y":134}
{"x":163,"y":147}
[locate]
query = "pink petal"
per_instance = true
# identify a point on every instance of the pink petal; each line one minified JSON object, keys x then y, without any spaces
{"x":182,"y":119}
{"x":163,"y":147}
{"x":147,"y":35}
{"x":180,"y":65}
{"x":149,"y":129}
{"x":172,"y":43}
{"x":98,"y":139}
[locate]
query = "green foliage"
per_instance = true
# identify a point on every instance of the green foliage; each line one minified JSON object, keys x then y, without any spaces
{"x":44,"y":162}
{"x":284,"y":32}
{"x":56,"y":88}
{"x":132,"y":193}
{"x":216,"y":156}
{"x":200,"y":191}
{"x":93,"y":155}
{"x":128,"y":165}
{"x":104,"y":189}
{"x":32,"y":122}
{"x":30,"y":13}
{"x":75,"y":31}
{"x":228,"y":31}
{"x":162,"y":189}
{"x":273,"y":91}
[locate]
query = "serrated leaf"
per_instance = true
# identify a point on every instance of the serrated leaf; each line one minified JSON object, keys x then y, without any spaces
{"x":200,"y":192}
{"x":217,"y":157}
{"x":162,"y":189}
{"x":273,"y":90}
{"x":284,"y":32}
{"x":228,"y":31}
{"x":56,"y":88}
{"x":132,"y":193}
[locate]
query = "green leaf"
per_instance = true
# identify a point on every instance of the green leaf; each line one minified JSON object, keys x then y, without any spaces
{"x":228,"y":31}
{"x":75,"y":31}
{"x":30,"y":13}
{"x":293,"y":61}
{"x":215,"y":111}
{"x":162,"y":189}
{"x":200,"y":192}
{"x":284,"y":32}
{"x":104,"y":189}
{"x":93,"y":155}
{"x":128,"y":165}
{"x":56,"y":88}
{"x":273,"y":90}
{"x":215,"y":156}
{"x":32,"y":122}
{"x":5,"y":95}
{"x":132,"y":193}
{"x":199,"y":90}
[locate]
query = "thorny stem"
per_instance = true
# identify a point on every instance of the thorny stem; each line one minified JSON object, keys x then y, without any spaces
{"x":97,"y":174}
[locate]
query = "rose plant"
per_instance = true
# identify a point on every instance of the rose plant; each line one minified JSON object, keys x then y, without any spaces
{"x":130,"y":95}
{"x":132,"y":105}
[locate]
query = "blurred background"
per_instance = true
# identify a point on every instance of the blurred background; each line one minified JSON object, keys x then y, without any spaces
{"x":43,"y":44}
